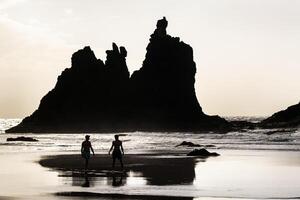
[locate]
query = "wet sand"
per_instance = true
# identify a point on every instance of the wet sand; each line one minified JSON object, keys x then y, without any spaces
{"x":156,"y":169}
{"x":251,"y":166}
{"x":119,"y":196}
{"x":236,"y":174}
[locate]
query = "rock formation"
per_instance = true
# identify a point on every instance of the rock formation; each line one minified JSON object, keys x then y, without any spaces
{"x":202,"y":153}
{"x":188,"y":144}
{"x":191,"y":144}
{"x":102,"y":97}
{"x":22,"y":139}
{"x":288,"y":118}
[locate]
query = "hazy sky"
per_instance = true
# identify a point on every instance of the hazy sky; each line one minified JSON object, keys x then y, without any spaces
{"x":246,"y":51}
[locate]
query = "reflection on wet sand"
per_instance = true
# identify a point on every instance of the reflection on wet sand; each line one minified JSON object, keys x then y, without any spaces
{"x":173,"y":173}
{"x":103,"y":196}
{"x":78,"y":178}
{"x":140,"y":170}
{"x":117,"y":181}
{"x":86,"y":180}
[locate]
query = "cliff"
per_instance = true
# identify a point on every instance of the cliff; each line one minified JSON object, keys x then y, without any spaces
{"x":288,"y":118}
{"x":93,"y":96}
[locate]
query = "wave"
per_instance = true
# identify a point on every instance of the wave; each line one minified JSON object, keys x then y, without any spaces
{"x":8,"y":123}
{"x":147,"y":141}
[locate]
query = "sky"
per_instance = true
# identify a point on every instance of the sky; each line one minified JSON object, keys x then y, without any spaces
{"x":246,"y":51}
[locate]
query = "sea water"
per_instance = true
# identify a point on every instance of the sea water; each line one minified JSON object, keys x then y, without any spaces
{"x":140,"y":142}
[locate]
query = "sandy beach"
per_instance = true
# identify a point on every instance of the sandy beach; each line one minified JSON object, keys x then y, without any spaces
{"x":155,"y":169}
{"x":173,"y":175}
{"x":254,"y":167}
{"x":236,"y":174}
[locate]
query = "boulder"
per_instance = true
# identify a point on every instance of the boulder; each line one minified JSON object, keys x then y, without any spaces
{"x":22,"y":138}
{"x":189,"y":144}
{"x":202,"y":153}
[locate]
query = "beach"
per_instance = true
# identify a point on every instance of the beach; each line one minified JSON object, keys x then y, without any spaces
{"x":236,"y":174}
{"x":251,"y":165}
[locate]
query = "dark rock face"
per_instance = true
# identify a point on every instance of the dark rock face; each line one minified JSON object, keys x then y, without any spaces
{"x":284,"y":119}
{"x":100,"y":97}
{"x":88,"y":96}
{"x":202,"y":153}
{"x":22,"y":138}
{"x":163,"y":89}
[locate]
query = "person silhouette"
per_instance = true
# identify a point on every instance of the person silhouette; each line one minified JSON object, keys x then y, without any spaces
{"x":118,"y":151}
{"x":86,"y":146}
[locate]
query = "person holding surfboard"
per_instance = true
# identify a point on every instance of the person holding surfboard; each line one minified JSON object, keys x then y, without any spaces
{"x":118,"y":151}
{"x":86,"y":147}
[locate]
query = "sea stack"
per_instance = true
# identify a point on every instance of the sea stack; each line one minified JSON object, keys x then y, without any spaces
{"x":93,"y":96}
{"x":288,"y":118}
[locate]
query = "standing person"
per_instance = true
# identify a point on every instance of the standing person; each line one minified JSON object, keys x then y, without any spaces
{"x":118,"y":151}
{"x":86,"y":146}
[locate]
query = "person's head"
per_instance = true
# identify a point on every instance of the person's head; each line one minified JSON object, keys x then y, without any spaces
{"x":116,"y":137}
{"x":87,"y":137}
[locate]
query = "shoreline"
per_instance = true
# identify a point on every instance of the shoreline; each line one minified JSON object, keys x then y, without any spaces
{"x":154,"y":166}
{"x":236,"y":174}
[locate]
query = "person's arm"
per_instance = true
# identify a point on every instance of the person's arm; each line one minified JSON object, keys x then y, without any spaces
{"x":92,"y":150}
{"x":122,"y":148}
{"x":81,"y":148}
{"x":111,"y":148}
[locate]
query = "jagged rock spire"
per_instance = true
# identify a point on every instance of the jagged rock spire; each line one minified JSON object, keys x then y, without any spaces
{"x":161,"y":27}
{"x":101,"y":97}
{"x":116,"y":62}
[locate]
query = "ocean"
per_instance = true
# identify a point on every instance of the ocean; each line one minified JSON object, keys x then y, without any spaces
{"x":139,"y":142}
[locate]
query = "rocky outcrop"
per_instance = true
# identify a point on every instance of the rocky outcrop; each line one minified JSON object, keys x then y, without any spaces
{"x":22,"y":139}
{"x":91,"y":95}
{"x":191,"y":144}
{"x":163,"y":89}
{"x":202,"y":153}
{"x":188,"y":144}
{"x":288,"y":118}
{"x":101,"y":97}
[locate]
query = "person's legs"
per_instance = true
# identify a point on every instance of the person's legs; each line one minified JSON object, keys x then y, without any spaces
{"x":86,"y":156}
{"x":114,"y":161}
{"x":121,"y":161}
{"x":86,"y":163}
